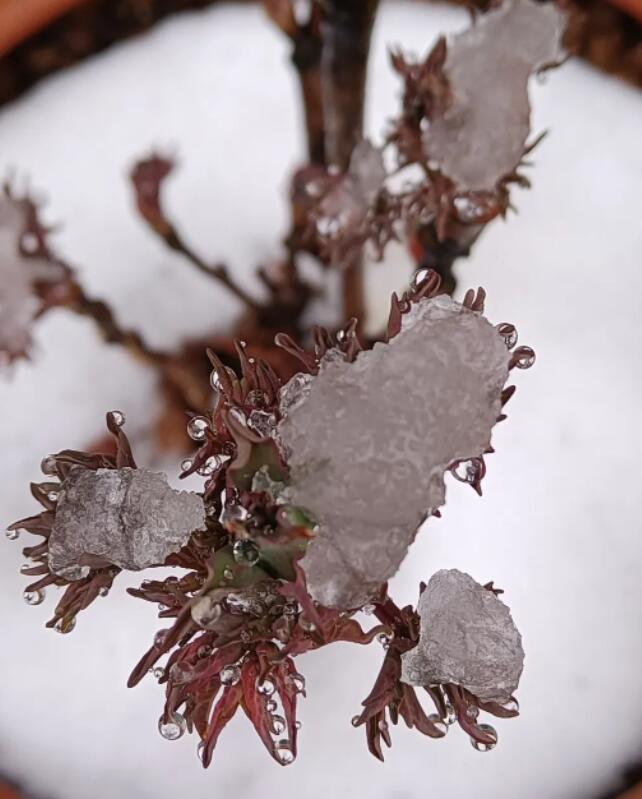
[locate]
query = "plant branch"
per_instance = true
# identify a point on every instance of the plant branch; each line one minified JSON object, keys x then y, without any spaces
{"x":346,"y":27}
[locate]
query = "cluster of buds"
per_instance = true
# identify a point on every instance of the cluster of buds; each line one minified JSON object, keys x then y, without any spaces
{"x":271,"y":552}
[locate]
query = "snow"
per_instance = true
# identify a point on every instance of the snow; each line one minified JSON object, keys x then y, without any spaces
{"x":558,"y":527}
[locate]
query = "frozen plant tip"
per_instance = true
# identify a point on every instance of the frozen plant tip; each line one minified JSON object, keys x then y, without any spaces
{"x":321,"y":452}
{"x":266,"y":575}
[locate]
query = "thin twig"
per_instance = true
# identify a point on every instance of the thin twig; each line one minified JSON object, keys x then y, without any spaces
{"x":218,"y":272}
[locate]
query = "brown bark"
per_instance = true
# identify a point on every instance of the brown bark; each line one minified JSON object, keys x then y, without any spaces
{"x":346,"y":30}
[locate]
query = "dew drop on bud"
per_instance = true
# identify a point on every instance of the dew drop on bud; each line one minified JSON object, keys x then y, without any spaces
{"x":420,"y":277}
{"x":278,"y":725}
{"x":157,"y":672}
{"x":355,"y":721}
{"x":284,"y":753}
{"x":451,"y":714}
{"x":52,"y":496}
{"x":229,"y":675}
{"x":173,"y":728}
{"x":266,"y":688}
{"x":485,"y":747}
{"x":384,"y":639}
{"x":298,"y":681}
{"x":297,"y":725}
{"x":64,"y":626}
{"x":118,"y":417}
{"x":33,"y":597}
{"x":512,"y":705}
{"x":508,"y":333}
{"x":26,"y":567}
{"x":186,"y":464}
{"x":228,"y":574}
{"x":245,"y":552}
{"x":48,"y":465}
{"x":210,"y":466}
{"x":103,"y":591}
{"x":197,"y":428}
{"x":159,"y":638}
{"x":13,"y":535}
{"x":525,"y":358}
{"x":439,"y":723}
{"x":270,"y":705}
{"x":204,"y":651}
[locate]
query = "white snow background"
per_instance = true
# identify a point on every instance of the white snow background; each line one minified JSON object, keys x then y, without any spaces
{"x":558,"y":527}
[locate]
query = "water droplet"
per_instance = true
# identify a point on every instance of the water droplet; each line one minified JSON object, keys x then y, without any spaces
{"x":200,"y":750}
{"x":383,"y":726}
{"x":33,"y":597}
{"x":204,"y":651}
{"x":245,"y":552}
{"x":262,"y":422}
{"x":159,"y":638}
{"x":103,"y":591}
{"x":355,"y":721}
{"x":162,"y":608}
{"x":278,"y":725}
{"x":451,"y":714}
{"x":525,"y":357}
{"x":270,"y":705}
{"x":420,"y":276}
{"x":298,"y":680}
{"x":52,"y":496}
{"x":384,"y":639}
{"x":210,"y":466}
{"x":197,"y":428}
{"x":118,"y":417}
{"x":26,"y":567}
{"x":13,"y":535}
{"x":64,"y":626}
{"x":469,"y":471}
{"x":368,"y":609}
{"x":297,"y":725}
{"x":438,"y":722}
{"x":266,"y":688}
{"x":186,"y":464}
{"x":472,"y":712}
{"x":48,"y":465}
{"x":485,"y":747}
{"x":284,"y":754}
{"x":306,"y":624}
{"x":228,"y":574}
{"x":157,"y":672}
{"x":173,"y":728}
{"x":229,"y":675}
{"x":512,"y":705}
{"x":508,"y":333}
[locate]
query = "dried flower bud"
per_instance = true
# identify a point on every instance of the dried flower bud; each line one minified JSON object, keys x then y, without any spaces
{"x":28,"y":275}
{"x":467,"y":637}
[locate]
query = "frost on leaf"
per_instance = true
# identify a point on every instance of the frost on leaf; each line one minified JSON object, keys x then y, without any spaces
{"x":467,"y":637}
{"x":19,"y":302}
{"x":368,"y":442}
{"x":127,"y":517}
{"x":481,"y":136}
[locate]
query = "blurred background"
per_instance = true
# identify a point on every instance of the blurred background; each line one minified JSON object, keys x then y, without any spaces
{"x":559,"y":525}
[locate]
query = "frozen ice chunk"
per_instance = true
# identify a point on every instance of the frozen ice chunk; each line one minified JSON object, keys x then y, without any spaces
{"x":481,"y":136}
{"x":348,"y":201}
{"x":128,"y":517}
{"x":467,"y":637}
{"x":369,"y":441}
